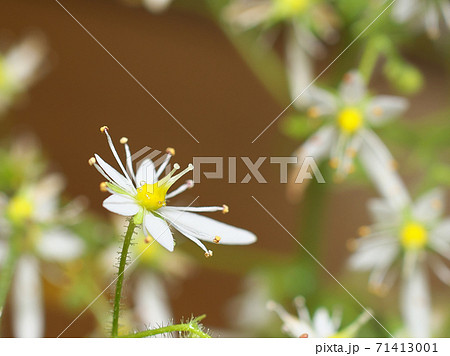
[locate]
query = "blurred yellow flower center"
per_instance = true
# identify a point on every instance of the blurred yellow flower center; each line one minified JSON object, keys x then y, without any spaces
{"x":152,"y":196}
{"x":413,"y":236}
{"x":19,"y":209}
{"x":290,"y":7}
{"x":350,"y":120}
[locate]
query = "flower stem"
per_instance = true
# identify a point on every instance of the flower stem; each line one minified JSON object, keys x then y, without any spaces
{"x":192,"y":327}
{"x":374,"y":48}
{"x":8,"y":269}
{"x":119,"y":283}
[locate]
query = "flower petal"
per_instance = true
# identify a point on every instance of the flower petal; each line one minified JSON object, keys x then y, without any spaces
{"x":60,"y":245}
{"x":146,"y":173}
{"x":374,"y":252}
{"x":353,"y":88}
{"x":207,"y":229}
{"x":118,"y":178}
{"x":382,"y":212}
{"x":323,"y":324}
{"x":429,"y":206}
{"x":159,"y":230}
{"x":156,"y":5}
{"x":381,"y":109}
{"x":27,"y":304}
{"x":121,"y":204}
{"x":415,"y":301}
{"x":151,"y":301}
{"x":404,"y":9}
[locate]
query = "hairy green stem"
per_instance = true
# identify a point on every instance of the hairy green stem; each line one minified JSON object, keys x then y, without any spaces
{"x":8,"y":269}
{"x":119,"y":282}
{"x":191,"y":327}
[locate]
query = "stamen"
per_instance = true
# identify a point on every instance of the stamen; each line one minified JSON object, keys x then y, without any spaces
{"x":377,"y":111}
{"x":216,"y":239}
{"x":128,"y":160}
{"x":334,"y":162}
{"x":170,"y":152}
{"x":208,"y":254}
{"x":436,"y":204}
{"x":351,"y":245}
{"x":364,"y":231}
{"x":304,"y":336}
{"x":148,"y":239}
{"x":313,"y":112}
{"x":103,"y":187}
{"x":92,"y":161}
{"x":105,"y":130}
{"x":188,"y":185}
{"x":172,"y":180}
{"x":226,"y":209}
{"x":164,"y":180}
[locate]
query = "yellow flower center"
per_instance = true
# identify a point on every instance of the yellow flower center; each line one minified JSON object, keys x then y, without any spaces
{"x":413,"y":236}
{"x":19,"y":209}
{"x":350,"y":120}
{"x":152,"y":196}
{"x":286,"y":8}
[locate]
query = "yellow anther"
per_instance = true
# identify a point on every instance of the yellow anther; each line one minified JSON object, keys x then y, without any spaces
{"x":208,"y":254}
{"x":436,"y":204}
{"x":304,"y":336}
{"x":351,"y":152}
{"x":394,"y":165}
{"x":216,"y":239}
{"x":313,"y":112}
{"x":92,"y":161}
{"x":123,"y":140}
{"x":377,"y":111}
{"x":334,"y":162}
{"x":364,"y":231}
{"x":103,"y":186}
{"x":103,"y":128}
{"x":170,"y":151}
{"x":226,"y":209}
{"x":148,"y":239}
{"x":351,"y":245}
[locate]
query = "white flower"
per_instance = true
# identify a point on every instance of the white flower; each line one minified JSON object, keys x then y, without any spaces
{"x":426,"y":13}
{"x":20,"y":67}
{"x":143,"y":196}
{"x":156,"y":5}
{"x":322,"y":324}
{"x":349,"y":117}
{"x":406,"y":239}
{"x":310,"y":23}
{"x":34,"y":213}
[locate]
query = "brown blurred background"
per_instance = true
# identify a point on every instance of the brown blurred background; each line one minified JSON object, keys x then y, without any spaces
{"x":186,"y":62}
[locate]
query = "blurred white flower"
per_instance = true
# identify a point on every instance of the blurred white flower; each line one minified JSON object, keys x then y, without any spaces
{"x":143,"y":196}
{"x":425,"y":13}
{"x":322,"y":324}
{"x":403,"y":241}
{"x":33,"y":215}
{"x":349,"y":117}
{"x":310,"y":24}
{"x":156,"y":5}
{"x":20,"y":67}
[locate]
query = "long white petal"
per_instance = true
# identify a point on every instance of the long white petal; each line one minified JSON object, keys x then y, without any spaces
{"x":381,"y":211}
{"x":115,"y":176}
{"x":159,"y":230}
{"x":323,"y":324}
{"x":151,"y":301}
{"x":353,"y":88}
{"x":27,"y":304}
{"x":381,"y":109}
{"x":207,"y":229}
{"x":404,"y":9}
{"x":429,"y":206}
{"x":415,"y":302}
{"x":59,"y":244}
{"x":121,"y":204}
{"x":374,"y":252}
{"x":146,"y":173}
{"x":379,"y":167}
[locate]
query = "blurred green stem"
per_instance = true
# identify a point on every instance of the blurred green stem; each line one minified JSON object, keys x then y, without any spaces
{"x":8,"y":269}
{"x":119,"y":283}
{"x":192,"y":328}
{"x":375,"y":46}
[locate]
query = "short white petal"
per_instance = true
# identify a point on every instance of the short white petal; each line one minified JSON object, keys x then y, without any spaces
{"x":59,"y":244}
{"x":151,"y":301}
{"x":429,"y":206}
{"x":442,"y":231}
{"x":207,"y":229}
{"x":121,"y":204}
{"x":381,"y":211}
{"x":323,"y":324}
{"x":146,"y":173}
{"x":117,"y":177}
{"x":159,"y":230}
{"x":353,"y":88}
{"x":27,"y":303}
{"x":384,"y":108}
{"x":374,"y":252}
{"x":45,"y":196}
{"x":415,"y":303}
{"x":404,"y":9}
